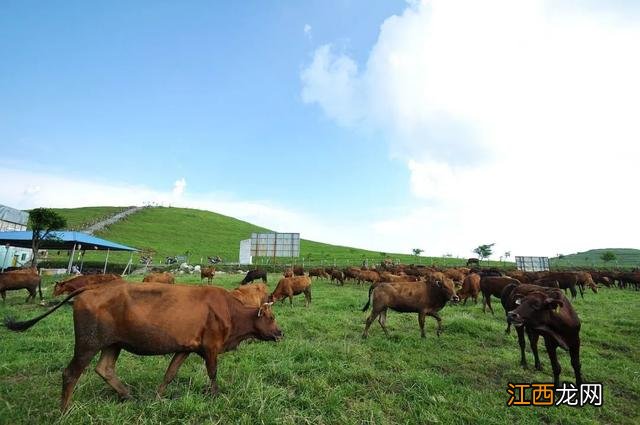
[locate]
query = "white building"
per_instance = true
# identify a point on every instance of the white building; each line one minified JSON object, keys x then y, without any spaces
{"x":11,"y":220}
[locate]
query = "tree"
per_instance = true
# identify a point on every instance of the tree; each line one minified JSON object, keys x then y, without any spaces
{"x":608,"y":256}
{"x":42,"y":222}
{"x":484,"y":251}
{"x":507,"y":254}
{"x":417,"y":251}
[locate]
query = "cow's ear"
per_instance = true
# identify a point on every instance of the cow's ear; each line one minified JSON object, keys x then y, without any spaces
{"x":552,"y":303}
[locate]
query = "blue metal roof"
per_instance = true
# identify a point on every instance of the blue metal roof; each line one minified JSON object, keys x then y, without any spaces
{"x":62,"y":240}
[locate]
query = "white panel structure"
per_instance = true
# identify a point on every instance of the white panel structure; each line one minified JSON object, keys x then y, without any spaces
{"x":532,"y":264}
{"x":275,"y":244}
{"x":245,"y":252}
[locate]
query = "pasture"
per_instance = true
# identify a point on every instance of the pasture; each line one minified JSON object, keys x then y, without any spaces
{"x":324,"y":372}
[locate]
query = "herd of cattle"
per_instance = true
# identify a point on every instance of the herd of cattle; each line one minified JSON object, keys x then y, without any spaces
{"x":159,"y":317}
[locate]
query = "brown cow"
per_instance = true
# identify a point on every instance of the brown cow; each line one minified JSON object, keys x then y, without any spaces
{"x":21,"y":279}
{"x":424,"y":298}
{"x":288,"y":272}
{"x":368,"y":276}
{"x":493,"y":285}
{"x":337,"y":275}
{"x":298,"y":271}
{"x":456,"y":275}
{"x":350,"y":273}
{"x":208,"y":272}
{"x":164,"y":277}
{"x":318,"y":272}
{"x":75,"y":283}
{"x":470,"y":288}
{"x":290,"y":286}
{"x":152,"y":319}
{"x":546,"y":312}
{"x":253,"y":294}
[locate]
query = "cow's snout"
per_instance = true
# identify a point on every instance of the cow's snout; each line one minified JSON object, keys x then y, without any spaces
{"x":513,"y":317}
{"x":455,"y":298}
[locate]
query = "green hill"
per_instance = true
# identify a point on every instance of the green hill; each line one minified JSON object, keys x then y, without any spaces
{"x":80,"y":218}
{"x":175,"y":231}
{"x":624,"y":257}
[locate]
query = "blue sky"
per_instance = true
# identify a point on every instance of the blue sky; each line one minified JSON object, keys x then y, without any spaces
{"x":380,"y":124}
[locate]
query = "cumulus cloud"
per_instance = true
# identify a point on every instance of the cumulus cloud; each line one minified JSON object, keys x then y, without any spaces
{"x":528,"y":107}
{"x":178,"y":187}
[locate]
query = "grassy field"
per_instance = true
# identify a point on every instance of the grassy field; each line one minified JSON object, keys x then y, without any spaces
{"x":324,"y":373}
{"x":625,"y":257}
{"x":79,"y":218}
{"x":174,"y":231}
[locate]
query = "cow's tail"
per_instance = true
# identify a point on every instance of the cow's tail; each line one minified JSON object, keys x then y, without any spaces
{"x":40,"y":287}
{"x":366,"y":306}
{"x":11,"y":324}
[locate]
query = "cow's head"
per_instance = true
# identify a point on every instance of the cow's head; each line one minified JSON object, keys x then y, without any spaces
{"x":265,"y":324}
{"x":448,"y":289}
{"x":533,"y":309}
{"x":58,"y":289}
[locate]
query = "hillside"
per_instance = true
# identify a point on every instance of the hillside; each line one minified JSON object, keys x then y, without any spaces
{"x":625,"y":257}
{"x":174,"y":231}
{"x":80,"y":218}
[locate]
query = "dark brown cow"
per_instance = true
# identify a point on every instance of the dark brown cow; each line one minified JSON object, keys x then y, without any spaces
{"x":253,"y":294}
{"x":298,"y":271}
{"x":318,"y":273}
{"x":566,"y":280}
{"x":337,"y":275}
{"x":424,"y":298}
{"x":254,"y":275}
{"x":208,"y":272}
{"x":290,"y":286}
{"x":473,"y":262}
{"x":152,"y":319}
{"x":350,"y":273}
{"x":21,"y":279}
{"x":470,"y":288}
{"x":546,"y":312}
{"x":163,"y":277}
{"x":493,"y":285}
{"x":75,"y":283}
{"x":288,"y":272}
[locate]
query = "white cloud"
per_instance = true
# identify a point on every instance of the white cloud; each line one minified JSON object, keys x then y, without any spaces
{"x":178,"y":187}
{"x":517,"y":121}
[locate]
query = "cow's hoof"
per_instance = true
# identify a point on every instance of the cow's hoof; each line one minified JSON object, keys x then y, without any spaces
{"x":125,"y":397}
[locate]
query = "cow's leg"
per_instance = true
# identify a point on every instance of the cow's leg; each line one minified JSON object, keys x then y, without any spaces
{"x":31,"y":296}
{"x":106,"y":369}
{"x":211,"y":360}
{"x":382,"y":319}
{"x":521,"y":343}
{"x":484,"y":302}
{"x":574,"y":293}
{"x":78,"y":364}
{"x":551,"y":346}
{"x":533,"y":342}
{"x":374,"y":314}
{"x":437,"y":317}
{"x":574,"y":352}
{"x":581,"y":288}
{"x":172,"y":370}
{"x":307,"y":297}
{"x":489,"y":304}
{"x":421,"y":316}
{"x":465,"y":301}
{"x":3,"y":294}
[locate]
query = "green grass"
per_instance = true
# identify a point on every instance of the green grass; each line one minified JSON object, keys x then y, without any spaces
{"x":80,"y":218}
{"x":174,"y":231}
{"x":625,"y":257}
{"x":324,"y":373}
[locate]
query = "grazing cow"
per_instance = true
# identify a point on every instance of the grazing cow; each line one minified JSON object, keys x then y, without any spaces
{"x":288,"y":272}
{"x":350,"y":273}
{"x":470,"y":288}
{"x":368,"y":276}
{"x":290,"y":286}
{"x":493,"y":285}
{"x":424,"y":298}
{"x":254,"y":275}
{"x":298,"y":271}
{"x":21,"y":279}
{"x":75,"y":283}
{"x":253,"y":294}
{"x":546,"y":312}
{"x":152,"y":319}
{"x":337,"y":275}
{"x":208,"y":272}
{"x":318,"y":273}
{"x":473,"y":262}
{"x":163,"y":277}
{"x":585,"y":279}
{"x":388,"y":277}
{"x":566,"y":280}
